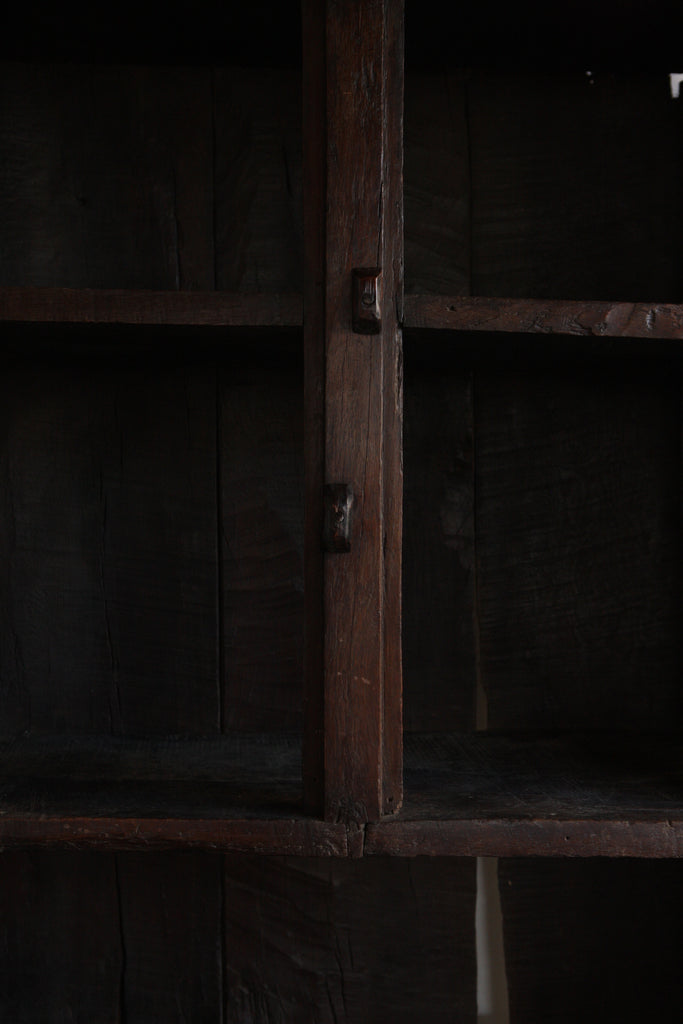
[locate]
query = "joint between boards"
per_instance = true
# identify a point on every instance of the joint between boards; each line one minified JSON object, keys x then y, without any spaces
{"x":355,"y":840}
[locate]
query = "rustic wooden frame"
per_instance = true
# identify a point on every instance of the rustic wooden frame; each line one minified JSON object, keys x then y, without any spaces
{"x":353,"y":130}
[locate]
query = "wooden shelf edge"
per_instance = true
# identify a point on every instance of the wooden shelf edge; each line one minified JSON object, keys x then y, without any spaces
{"x":305,"y":838}
{"x":314,"y":838}
{"x":149,"y":308}
{"x":525,"y":838}
{"x":544,"y":316}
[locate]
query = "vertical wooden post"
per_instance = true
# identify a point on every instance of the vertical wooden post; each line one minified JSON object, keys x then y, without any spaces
{"x":353,"y":190}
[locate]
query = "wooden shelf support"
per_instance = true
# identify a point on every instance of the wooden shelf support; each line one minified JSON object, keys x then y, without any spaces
{"x":353,"y":179}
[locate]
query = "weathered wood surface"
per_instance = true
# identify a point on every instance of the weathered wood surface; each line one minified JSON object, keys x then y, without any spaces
{"x":578,"y":538}
{"x":544,"y":316}
{"x":257,"y":180}
{"x":170,"y":925}
{"x":573,"y":775}
{"x":109,"y":540}
{"x":361,"y":138}
{"x":260,"y":485}
{"x":438,"y":547}
{"x":238,"y":776}
{"x":102,"y":938}
{"x":391,"y":308}
{"x":562,"y":203}
{"x":106,"y":179}
{"x":349,"y":941}
{"x":592,"y":940}
{"x":314,"y":215}
{"x":540,"y":185}
{"x":283,"y":836}
{"x":437,"y":185}
{"x":155,"y":178}
{"x":60,"y":961}
{"x":151,"y":308}
{"x":566,"y":795}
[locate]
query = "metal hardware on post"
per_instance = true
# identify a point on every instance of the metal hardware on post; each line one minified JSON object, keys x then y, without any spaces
{"x":366,"y":300}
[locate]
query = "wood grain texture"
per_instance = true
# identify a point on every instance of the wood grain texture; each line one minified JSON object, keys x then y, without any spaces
{"x":580,"y":318}
{"x":232,"y":776}
{"x":258,"y":184}
{"x":314,"y":219}
{"x":59,"y":961}
{"x":362,"y":404}
{"x":592,"y":940}
{"x":109,"y":484}
{"x":578,"y":539}
{"x":261,"y":544}
{"x":438,"y":546}
{"x":561,"y":794}
{"x":107,"y":177}
{"x":349,"y":941}
{"x":392,"y":451}
{"x":150,"y":308}
{"x":437,"y":185}
{"x":170,"y":925}
{"x":567,"y":202}
{"x":102,"y":938}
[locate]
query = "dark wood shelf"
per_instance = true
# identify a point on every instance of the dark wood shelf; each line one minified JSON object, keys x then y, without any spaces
{"x":586,"y":319}
{"x":235,"y":792}
{"x":585,"y":794}
{"x":149,"y":308}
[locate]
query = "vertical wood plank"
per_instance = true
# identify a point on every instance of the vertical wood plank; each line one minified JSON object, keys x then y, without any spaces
{"x":346,"y":941}
{"x":592,"y":940}
{"x":261,"y":548}
{"x":109,"y":543}
{"x":438,"y":546}
{"x":363,"y":79}
{"x":579,"y":543}
{"x":106,"y":178}
{"x":567,"y":201}
{"x":101,"y":938}
{"x":170,"y":921}
{"x":314,"y":207}
{"x":437,"y":184}
{"x":257,"y":118}
{"x":392,"y":428}
{"x":61,"y":957}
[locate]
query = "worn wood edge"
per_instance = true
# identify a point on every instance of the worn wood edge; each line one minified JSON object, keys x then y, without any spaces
{"x":392,"y":429}
{"x":166,"y":308}
{"x":540,"y":316}
{"x":314,"y":104}
{"x":657,"y":839}
{"x":291,"y":838}
{"x":354,"y":407}
{"x":536,"y":838}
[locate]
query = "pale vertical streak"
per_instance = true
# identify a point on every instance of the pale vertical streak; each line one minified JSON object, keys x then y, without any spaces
{"x":492,"y":992}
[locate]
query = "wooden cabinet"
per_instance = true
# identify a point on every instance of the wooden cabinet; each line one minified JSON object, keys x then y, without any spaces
{"x":197,"y":390}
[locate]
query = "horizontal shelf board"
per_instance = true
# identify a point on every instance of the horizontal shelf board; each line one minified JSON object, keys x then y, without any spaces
{"x":300,"y":837}
{"x":543,"y":316}
{"x":508,"y":837}
{"x":587,"y":794}
{"x":153,"y":308}
{"x":236,"y":776}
